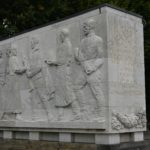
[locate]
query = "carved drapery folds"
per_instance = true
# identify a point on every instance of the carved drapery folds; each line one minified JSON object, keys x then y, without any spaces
{"x":37,"y":79}
{"x":50,"y":87}
{"x":90,"y":56}
{"x":14,"y":70}
{"x":64,"y":90}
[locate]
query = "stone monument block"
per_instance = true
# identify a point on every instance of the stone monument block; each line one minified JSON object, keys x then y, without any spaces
{"x":84,"y":74}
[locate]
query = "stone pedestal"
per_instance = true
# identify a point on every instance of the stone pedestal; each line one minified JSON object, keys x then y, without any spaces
{"x":107,"y":139}
{"x":34,"y":136}
{"x":7,"y":135}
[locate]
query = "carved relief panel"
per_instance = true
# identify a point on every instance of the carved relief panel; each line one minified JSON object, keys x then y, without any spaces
{"x":74,"y":73}
{"x":53,"y":87}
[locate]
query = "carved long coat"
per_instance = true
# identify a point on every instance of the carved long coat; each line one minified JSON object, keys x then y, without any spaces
{"x":13,"y":103}
{"x":63,"y":83}
{"x":38,"y":81}
{"x":90,"y":56}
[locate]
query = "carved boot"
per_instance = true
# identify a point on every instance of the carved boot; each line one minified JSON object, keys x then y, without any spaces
{"x":50,"y":116}
{"x":99,"y":116}
{"x":60,"y":114}
{"x":85,"y":116}
{"x":76,"y":111}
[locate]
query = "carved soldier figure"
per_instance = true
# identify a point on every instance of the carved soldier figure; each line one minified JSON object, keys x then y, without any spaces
{"x":15,"y":69}
{"x":64,"y":91}
{"x":36,"y":76}
{"x":90,"y":56}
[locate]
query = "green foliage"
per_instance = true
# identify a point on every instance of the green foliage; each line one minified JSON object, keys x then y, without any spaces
{"x":19,"y":15}
{"x":24,"y":14}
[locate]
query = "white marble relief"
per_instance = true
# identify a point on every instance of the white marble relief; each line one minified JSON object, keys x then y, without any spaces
{"x":64,"y":90}
{"x":90,"y":56}
{"x":15,"y":68}
{"x":37,"y":79}
{"x":72,"y":73}
{"x":43,"y":89}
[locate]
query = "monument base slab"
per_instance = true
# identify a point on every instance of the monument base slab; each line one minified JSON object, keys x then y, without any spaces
{"x":46,"y":145}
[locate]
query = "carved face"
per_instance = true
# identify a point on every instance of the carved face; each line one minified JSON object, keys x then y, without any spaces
{"x":13,"y":51}
{"x":64,"y":33}
{"x":88,"y":26}
{"x":86,"y":29}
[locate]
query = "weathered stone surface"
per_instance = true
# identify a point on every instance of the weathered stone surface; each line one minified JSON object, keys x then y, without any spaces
{"x":83,"y":74}
{"x":53,"y":81}
{"x":125,"y":66}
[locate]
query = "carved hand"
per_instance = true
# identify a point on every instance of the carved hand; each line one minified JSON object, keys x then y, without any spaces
{"x":92,"y":66}
{"x":20,"y":71}
{"x":53,"y":63}
{"x":89,"y":69}
{"x":32,"y":72}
